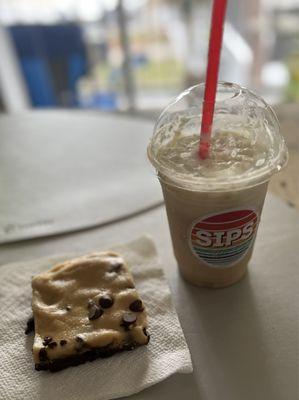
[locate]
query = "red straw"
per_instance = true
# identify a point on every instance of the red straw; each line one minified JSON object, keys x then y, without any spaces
{"x":216,"y":33}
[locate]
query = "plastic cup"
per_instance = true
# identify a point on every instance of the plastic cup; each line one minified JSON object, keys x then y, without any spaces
{"x":214,"y":205}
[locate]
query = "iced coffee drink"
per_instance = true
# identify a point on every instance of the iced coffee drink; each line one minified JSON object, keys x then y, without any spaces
{"x":214,"y":205}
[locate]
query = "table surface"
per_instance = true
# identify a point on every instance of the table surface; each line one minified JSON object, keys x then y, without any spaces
{"x":63,"y":170}
{"x":243,"y":339}
{"x":286,"y":183}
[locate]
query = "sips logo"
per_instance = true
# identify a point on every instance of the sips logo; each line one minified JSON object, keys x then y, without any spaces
{"x":221,"y":240}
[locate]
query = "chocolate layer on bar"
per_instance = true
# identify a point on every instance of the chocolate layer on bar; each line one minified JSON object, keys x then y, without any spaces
{"x":86,"y":308}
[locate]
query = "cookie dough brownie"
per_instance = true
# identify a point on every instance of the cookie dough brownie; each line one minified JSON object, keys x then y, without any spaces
{"x":86,"y":308}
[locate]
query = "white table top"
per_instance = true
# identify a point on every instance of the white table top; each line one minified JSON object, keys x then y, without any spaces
{"x":243,"y":339}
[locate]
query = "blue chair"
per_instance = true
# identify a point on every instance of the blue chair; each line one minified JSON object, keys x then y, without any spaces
{"x":52,"y":58}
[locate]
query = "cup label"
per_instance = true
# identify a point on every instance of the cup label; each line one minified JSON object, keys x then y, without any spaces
{"x":221,"y":240}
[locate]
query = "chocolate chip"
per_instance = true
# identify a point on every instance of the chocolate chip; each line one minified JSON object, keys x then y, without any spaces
{"x":130,"y":346}
{"x":43,"y":356}
{"x":106,"y":301}
{"x":68,"y":308}
{"x":63,"y":342}
{"x":81,"y":344}
{"x":52,"y":345}
{"x":91,"y":303}
{"x":146,"y":334}
{"x":79,"y":339}
{"x":30,"y":326}
{"x":136,"y":306}
{"x":128,"y":319}
{"x":291,"y":204}
{"x":94,"y":312}
{"x":115,"y":266}
{"x":47,"y":340}
{"x":145,"y":331}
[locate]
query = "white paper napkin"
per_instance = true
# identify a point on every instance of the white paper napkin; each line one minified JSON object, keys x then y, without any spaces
{"x":121,"y":375}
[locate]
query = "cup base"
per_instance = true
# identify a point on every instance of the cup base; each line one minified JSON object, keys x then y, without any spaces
{"x":215,"y":283}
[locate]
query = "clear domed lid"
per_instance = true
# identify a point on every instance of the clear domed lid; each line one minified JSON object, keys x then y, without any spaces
{"x":246,"y":143}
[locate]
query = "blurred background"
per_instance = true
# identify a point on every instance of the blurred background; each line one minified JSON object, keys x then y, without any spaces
{"x":135,"y":55}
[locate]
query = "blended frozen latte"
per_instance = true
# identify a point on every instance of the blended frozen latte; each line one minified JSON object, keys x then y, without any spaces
{"x":214,"y":205}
